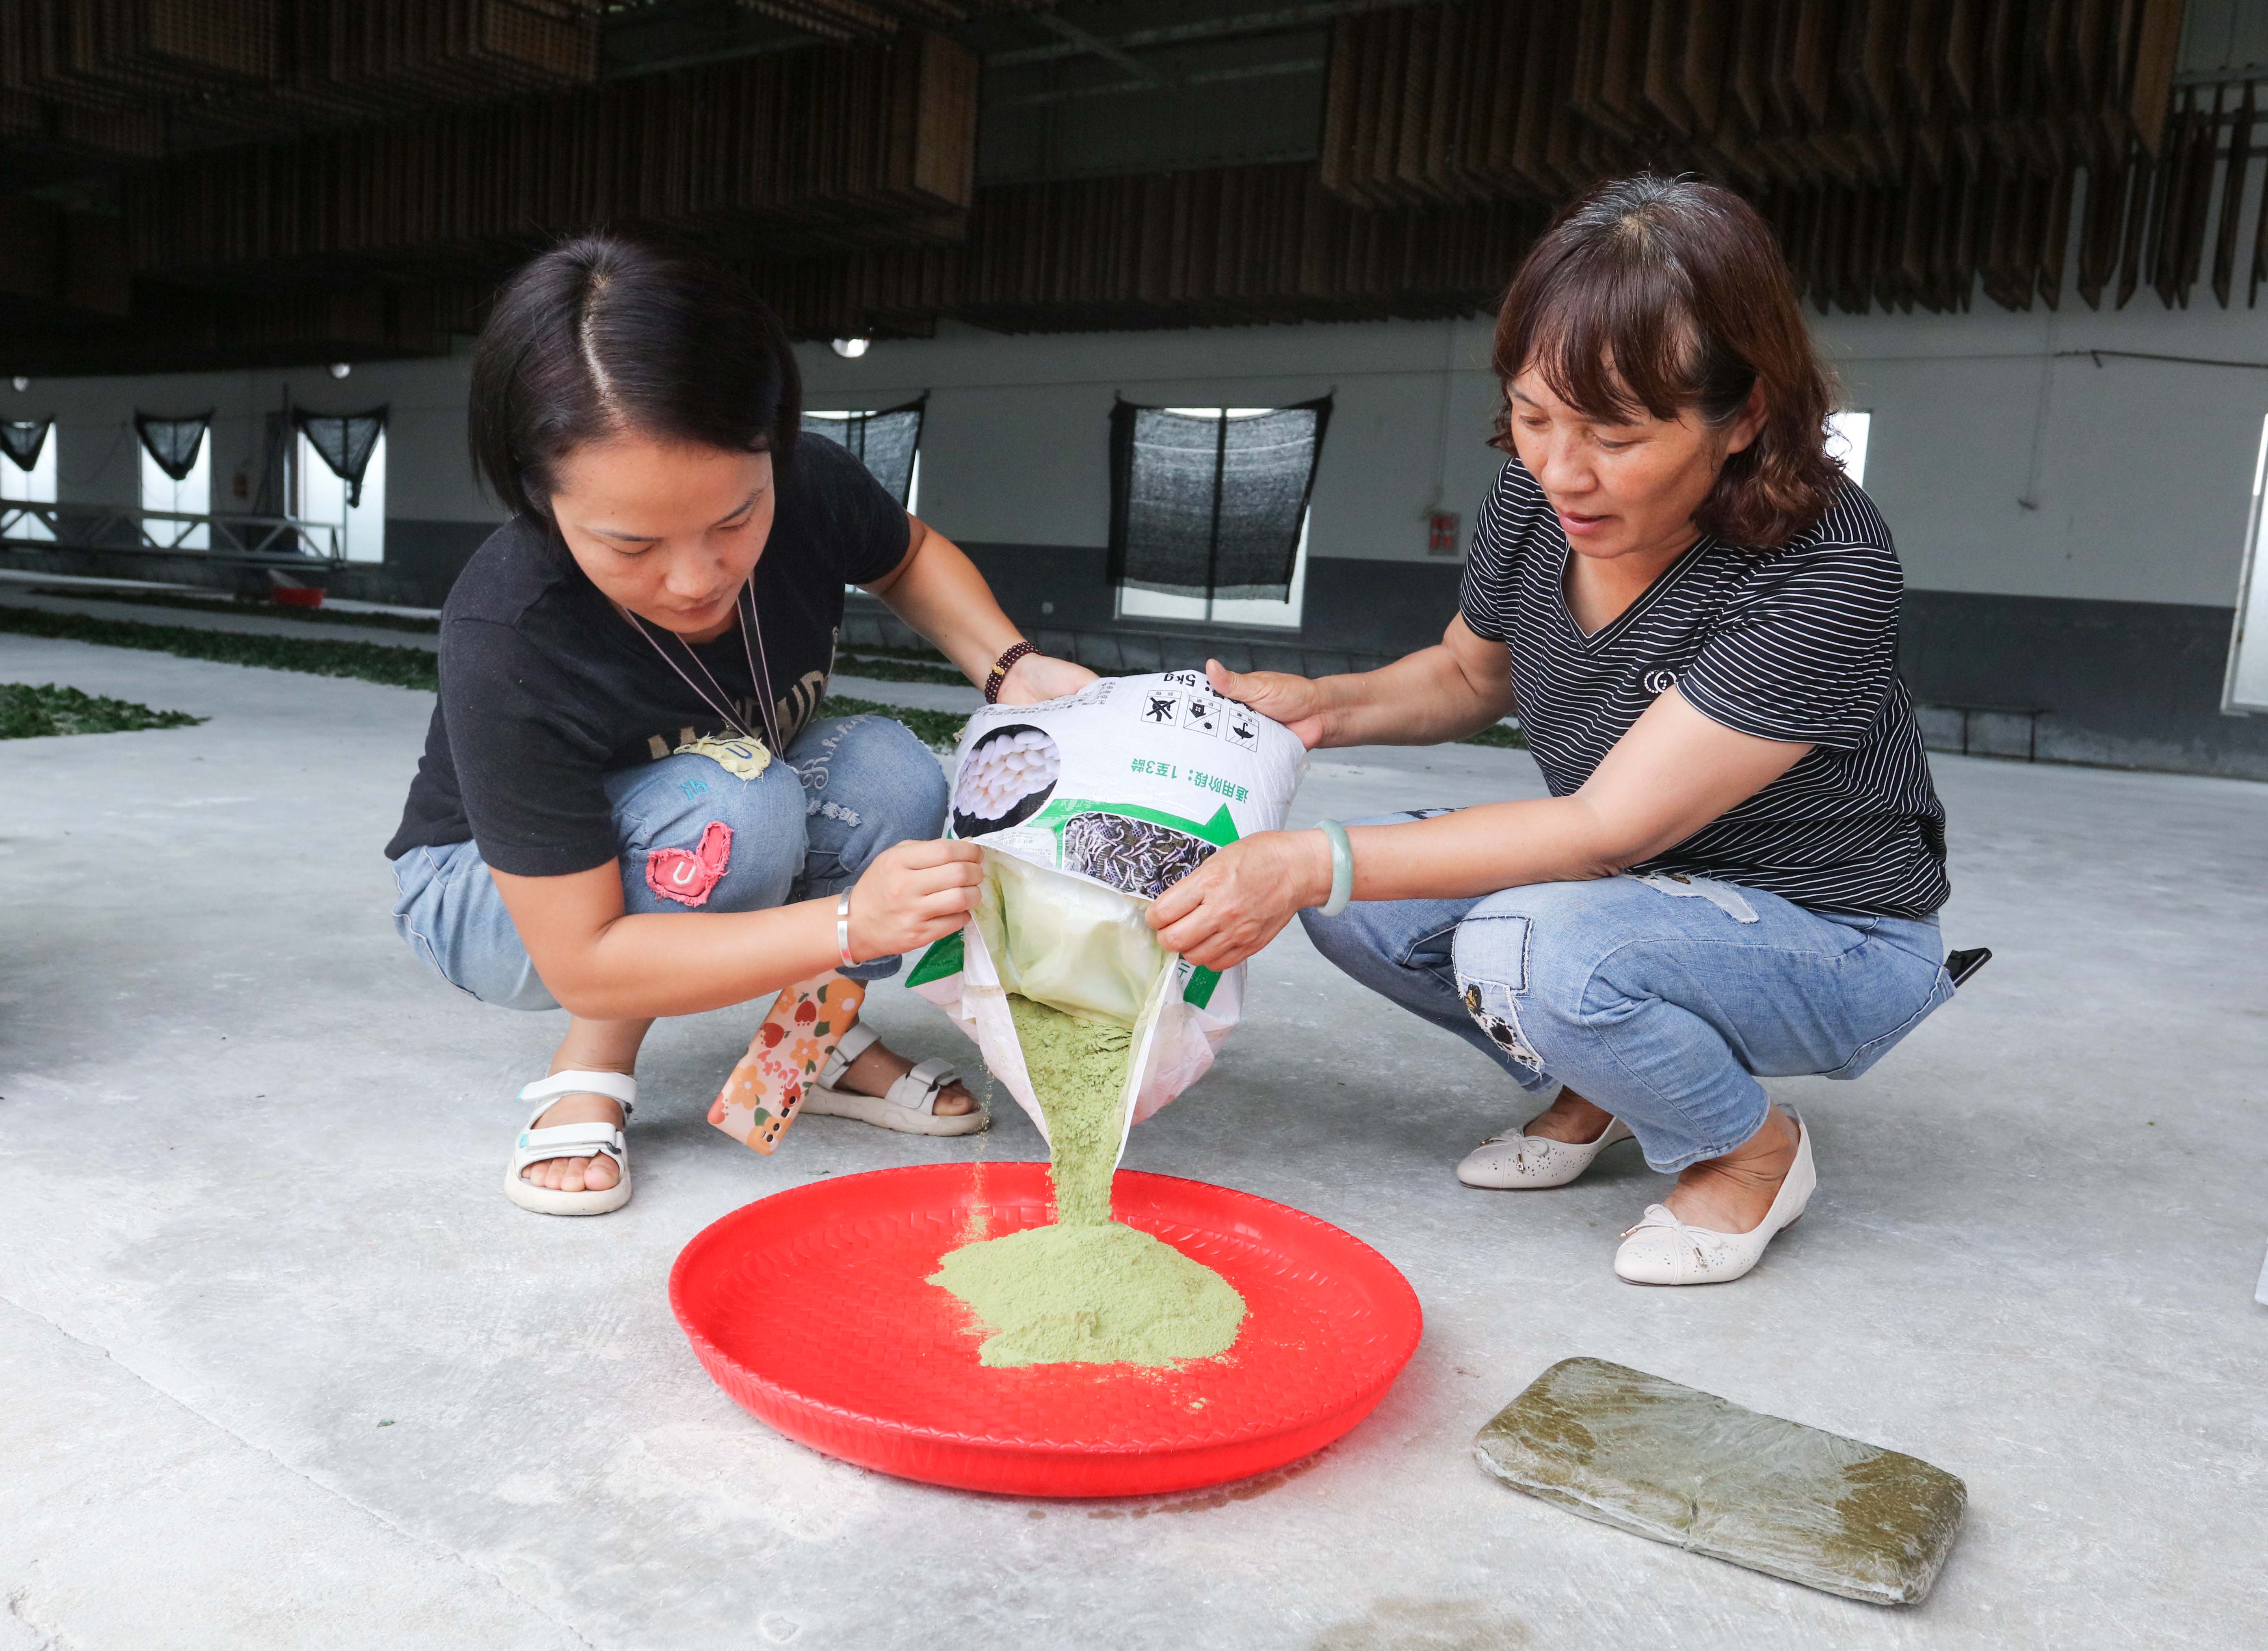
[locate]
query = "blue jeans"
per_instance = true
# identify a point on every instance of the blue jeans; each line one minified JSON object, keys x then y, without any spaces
{"x":1659,"y":1000}
{"x":804,"y":828}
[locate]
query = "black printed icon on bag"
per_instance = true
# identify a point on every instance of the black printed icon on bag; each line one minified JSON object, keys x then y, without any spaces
{"x":1243,"y":729}
{"x":1161,"y":709}
{"x":1202,"y":714}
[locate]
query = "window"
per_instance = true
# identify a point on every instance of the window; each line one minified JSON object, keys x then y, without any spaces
{"x":2245,"y":692}
{"x":323,"y":497}
{"x":1846,"y":442}
{"x":887,"y":440}
{"x":23,"y":483}
{"x":189,"y":494}
{"x":1209,"y":511}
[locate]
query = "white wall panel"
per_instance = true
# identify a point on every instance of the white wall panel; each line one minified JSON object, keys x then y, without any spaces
{"x":2142,"y":482}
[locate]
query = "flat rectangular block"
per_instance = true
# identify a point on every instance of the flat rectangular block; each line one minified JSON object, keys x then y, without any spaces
{"x":1680,"y":1466}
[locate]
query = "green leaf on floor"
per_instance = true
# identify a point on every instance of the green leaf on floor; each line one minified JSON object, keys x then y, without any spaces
{"x":37,"y":713}
{"x":1497,"y":735}
{"x":875,"y":669}
{"x":223,"y":602}
{"x":940,"y":730}
{"x":365,"y":661}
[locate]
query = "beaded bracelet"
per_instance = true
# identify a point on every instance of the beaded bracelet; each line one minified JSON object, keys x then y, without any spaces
{"x":1001,"y":666}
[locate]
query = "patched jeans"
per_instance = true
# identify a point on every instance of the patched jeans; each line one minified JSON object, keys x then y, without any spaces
{"x":804,"y":828}
{"x":1661,"y":1001}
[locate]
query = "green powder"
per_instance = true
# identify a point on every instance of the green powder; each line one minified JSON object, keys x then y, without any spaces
{"x":1078,"y":1071}
{"x":1087,"y":1289}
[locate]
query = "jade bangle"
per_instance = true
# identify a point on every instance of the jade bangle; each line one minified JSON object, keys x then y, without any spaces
{"x":1342,"y":868}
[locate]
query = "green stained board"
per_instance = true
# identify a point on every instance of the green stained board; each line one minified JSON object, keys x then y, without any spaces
{"x":1649,"y":1456}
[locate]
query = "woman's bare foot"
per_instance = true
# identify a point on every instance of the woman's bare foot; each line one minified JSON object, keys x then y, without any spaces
{"x":1734,"y":1193}
{"x":594,"y":1174}
{"x":874,"y":1071}
{"x":1570,"y":1119}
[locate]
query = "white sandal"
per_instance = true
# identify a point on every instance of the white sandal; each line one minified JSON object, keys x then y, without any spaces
{"x":1662,"y":1250}
{"x":911,"y":1103}
{"x":572,"y":1141}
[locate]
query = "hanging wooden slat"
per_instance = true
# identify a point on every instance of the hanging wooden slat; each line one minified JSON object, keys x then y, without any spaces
{"x":838,"y":145}
{"x":2234,"y":177}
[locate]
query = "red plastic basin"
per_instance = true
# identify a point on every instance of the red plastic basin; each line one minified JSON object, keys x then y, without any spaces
{"x":812,"y":1310}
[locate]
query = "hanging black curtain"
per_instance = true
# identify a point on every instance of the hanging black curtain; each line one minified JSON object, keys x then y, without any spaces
{"x":174,"y":442}
{"x":885,"y":440}
{"x":21,"y":440}
{"x":1211,"y":505}
{"x":345,"y":441}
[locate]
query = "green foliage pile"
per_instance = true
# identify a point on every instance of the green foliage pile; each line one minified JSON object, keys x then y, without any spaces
{"x":37,"y":713}
{"x":256,"y":605}
{"x":940,"y":730}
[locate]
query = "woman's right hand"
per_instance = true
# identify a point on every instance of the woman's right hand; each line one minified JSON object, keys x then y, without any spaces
{"x":915,"y":892}
{"x":1297,"y":701}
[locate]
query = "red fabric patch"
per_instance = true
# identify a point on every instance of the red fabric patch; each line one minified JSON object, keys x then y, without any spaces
{"x":675,"y":875}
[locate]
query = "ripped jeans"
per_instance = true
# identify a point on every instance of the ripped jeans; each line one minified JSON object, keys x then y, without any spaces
{"x":804,"y":828}
{"x":1659,"y":1000}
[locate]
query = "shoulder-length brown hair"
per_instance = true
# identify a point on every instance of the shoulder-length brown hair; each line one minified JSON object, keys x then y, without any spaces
{"x":1667,"y":294}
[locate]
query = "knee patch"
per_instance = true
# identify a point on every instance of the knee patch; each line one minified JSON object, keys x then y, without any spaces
{"x":1491,"y":962}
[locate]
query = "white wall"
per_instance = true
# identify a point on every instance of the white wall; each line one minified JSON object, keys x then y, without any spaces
{"x":1016,"y":446}
{"x":2144,"y":468}
{"x":428,"y":475}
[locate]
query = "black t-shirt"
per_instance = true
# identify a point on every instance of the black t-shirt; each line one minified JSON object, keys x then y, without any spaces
{"x":545,"y":688}
{"x":1797,"y":645}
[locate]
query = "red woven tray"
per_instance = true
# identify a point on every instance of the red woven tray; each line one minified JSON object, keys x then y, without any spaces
{"x":812,"y":1309}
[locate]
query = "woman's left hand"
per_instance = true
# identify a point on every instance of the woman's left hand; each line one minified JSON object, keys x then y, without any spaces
{"x":1242,"y":897}
{"x":1037,"y":676}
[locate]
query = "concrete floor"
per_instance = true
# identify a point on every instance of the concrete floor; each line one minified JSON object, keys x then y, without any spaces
{"x":282,"y":1368}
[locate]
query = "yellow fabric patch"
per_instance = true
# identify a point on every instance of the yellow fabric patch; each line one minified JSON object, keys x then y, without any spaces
{"x":743,"y":759}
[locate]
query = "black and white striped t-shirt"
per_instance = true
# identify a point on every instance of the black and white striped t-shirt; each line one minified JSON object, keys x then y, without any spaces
{"x":1799,"y":645}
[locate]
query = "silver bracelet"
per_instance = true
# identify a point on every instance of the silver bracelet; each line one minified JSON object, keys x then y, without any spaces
{"x":1342,"y":868}
{"x":843,"y":930}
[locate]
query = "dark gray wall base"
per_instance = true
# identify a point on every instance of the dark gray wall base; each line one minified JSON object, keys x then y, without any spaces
{"x":2121,"y":685}
{"x":426,"y":556}
{"x":2118,"y":684}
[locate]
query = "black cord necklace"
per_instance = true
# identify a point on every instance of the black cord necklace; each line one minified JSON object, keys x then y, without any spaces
{"x":744,"y":609}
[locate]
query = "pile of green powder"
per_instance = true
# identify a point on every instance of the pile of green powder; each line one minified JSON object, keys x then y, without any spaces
{"x":1087,"y":1289}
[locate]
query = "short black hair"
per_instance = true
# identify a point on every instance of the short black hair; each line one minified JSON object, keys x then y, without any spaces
{"x":607,"y":333}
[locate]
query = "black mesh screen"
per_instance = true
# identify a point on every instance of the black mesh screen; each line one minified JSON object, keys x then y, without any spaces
{"x":1212,"y":505}
{"x":885,"y":441}
{"x":345,"y":440}
{"x":174,"y":442}
{"x":21,"y":440}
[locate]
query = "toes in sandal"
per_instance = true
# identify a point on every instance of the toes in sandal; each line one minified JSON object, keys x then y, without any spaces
{"x":909,"y":1104}
{"x":572,"y":1141}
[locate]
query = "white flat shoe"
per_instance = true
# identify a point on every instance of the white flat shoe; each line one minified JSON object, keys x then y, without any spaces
{"x":572,"y":1141}
{"x":1662,"y":1250}
{"x":1529,"y":1161}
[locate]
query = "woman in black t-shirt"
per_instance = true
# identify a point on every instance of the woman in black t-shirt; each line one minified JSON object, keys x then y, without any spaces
{"x":627,"y":806}
{"x":1738,"y":868}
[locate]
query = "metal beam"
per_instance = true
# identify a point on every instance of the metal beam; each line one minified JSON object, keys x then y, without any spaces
{"x":1203,"y":78}
{"x":1275,"y":21}
{"x":1080,"y":43}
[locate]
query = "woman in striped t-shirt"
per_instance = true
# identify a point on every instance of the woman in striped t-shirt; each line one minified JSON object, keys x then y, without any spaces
{"x":1738,"y":871}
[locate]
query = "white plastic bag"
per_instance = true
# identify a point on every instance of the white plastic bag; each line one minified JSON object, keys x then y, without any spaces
{"x":1087,"y":808}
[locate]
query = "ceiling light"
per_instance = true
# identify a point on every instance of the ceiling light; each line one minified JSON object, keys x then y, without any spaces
{"x":23,"y":383}
{"x":851,"y":349}
{"x":340,"y":369}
